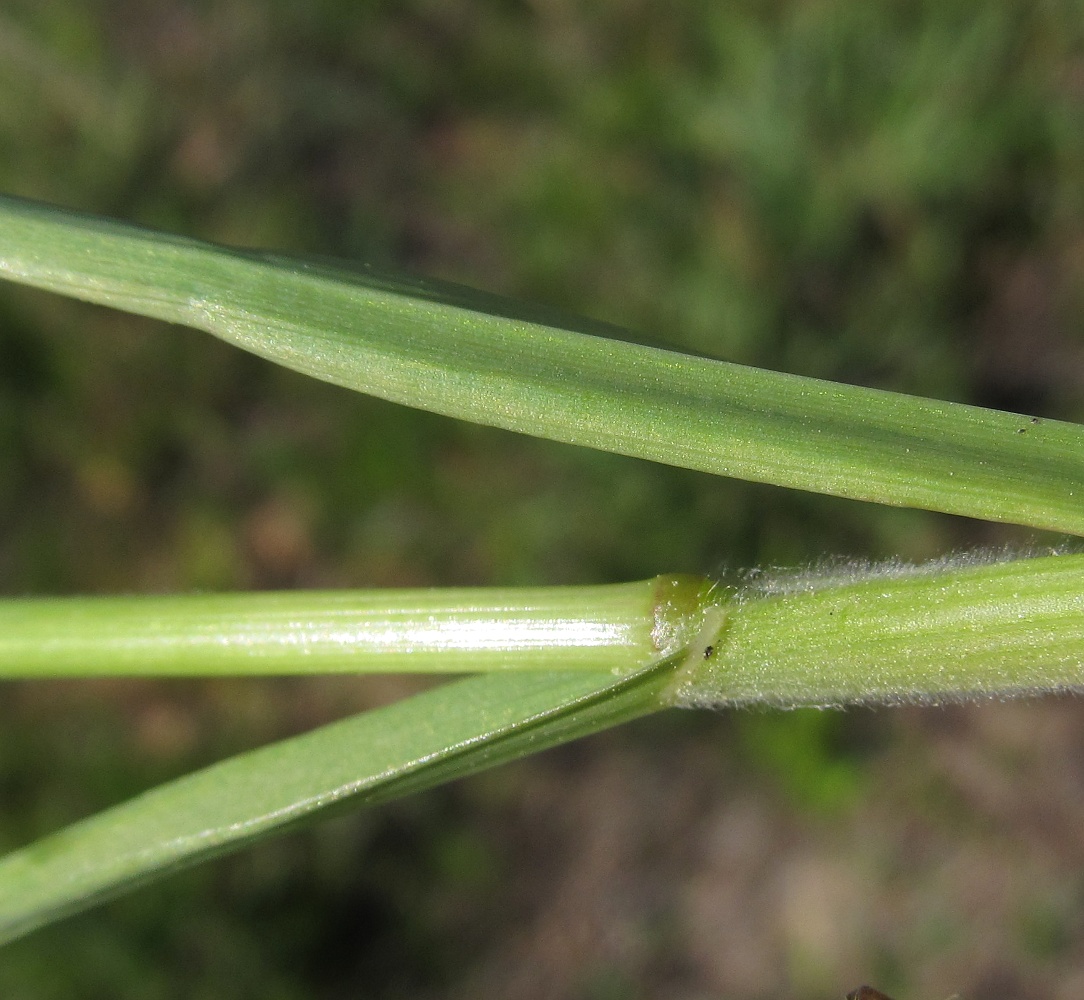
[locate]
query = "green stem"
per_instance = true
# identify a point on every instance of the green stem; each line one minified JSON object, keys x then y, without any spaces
{"x":616,"y":629}
{"x":885,"y":634}
{"x":898,"y":634}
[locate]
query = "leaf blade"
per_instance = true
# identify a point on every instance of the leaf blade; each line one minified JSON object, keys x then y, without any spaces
{"x":448,"y":732}
{"x":478,"y":358}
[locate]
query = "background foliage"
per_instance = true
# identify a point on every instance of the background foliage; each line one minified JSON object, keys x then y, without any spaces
{"x":883,"y":195}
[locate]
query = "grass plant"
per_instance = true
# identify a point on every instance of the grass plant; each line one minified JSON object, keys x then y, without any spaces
{"x":556,"y":662}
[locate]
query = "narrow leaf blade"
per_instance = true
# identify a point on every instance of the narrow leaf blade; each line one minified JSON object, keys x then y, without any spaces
{"x":448,"y":732}
{"x":475,"y":357}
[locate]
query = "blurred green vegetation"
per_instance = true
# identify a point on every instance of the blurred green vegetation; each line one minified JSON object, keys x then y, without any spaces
{"x":890,"y":195}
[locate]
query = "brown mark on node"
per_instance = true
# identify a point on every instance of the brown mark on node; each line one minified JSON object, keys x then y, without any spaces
{"x":702,"y":648}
